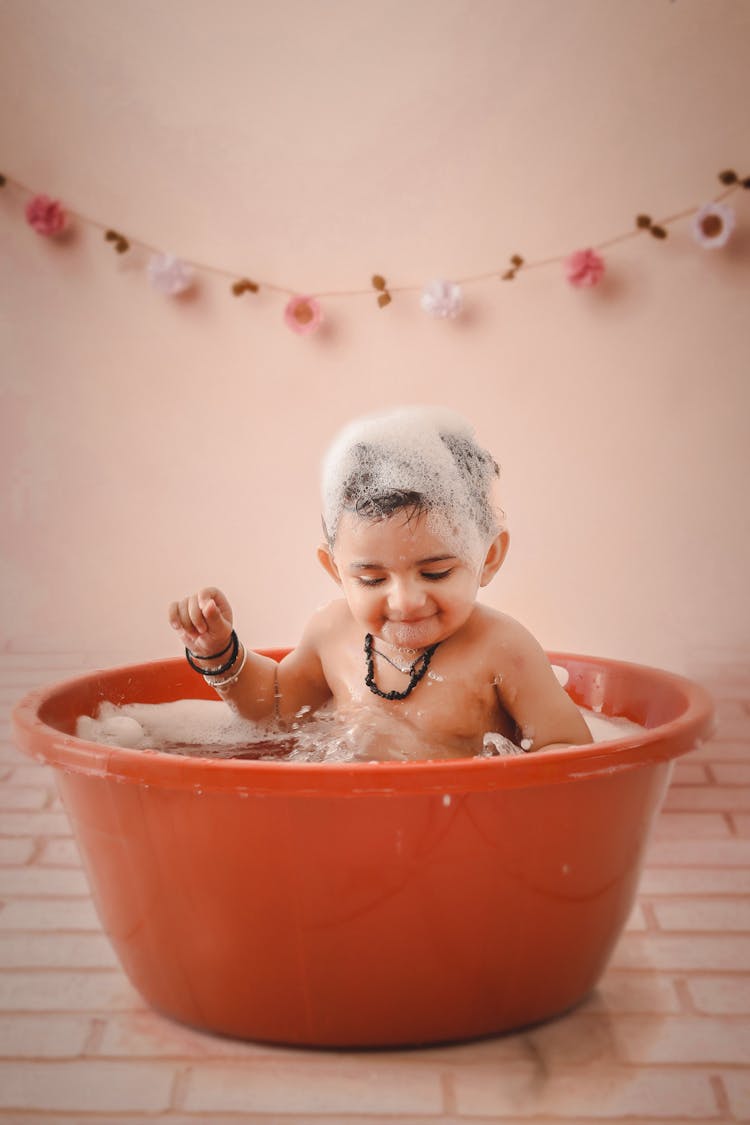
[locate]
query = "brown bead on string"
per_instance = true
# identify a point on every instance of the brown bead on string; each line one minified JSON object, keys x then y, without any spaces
{"x":516,"y":262}
{"x":244,"y":285}
{"x":645,"y":222}
{"x":729,"y":177}
{"x":379,"y":283}
{"x":121,"y":243}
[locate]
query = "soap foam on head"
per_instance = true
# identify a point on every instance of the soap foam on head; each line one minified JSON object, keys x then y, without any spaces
{"x":429,"y":452}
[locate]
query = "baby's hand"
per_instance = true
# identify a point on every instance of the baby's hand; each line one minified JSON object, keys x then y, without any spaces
{"x":203,"y":621}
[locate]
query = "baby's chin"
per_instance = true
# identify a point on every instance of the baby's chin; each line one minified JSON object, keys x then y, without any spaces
{"x":412,"y":634}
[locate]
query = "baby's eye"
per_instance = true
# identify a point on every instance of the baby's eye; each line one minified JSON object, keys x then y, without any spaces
{"x":436,"y":575}
{"x":370,"y":581}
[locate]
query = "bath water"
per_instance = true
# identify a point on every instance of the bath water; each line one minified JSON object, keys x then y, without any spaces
{"x":209,"y":728}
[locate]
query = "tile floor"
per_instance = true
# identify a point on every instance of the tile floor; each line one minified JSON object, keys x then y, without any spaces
{"x":665,"y":1038}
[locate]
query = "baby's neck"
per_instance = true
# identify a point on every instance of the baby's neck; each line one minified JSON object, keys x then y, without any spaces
{"x":402,"y":650}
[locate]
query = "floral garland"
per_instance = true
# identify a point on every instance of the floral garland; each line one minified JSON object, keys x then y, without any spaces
{"x":711,"y":225}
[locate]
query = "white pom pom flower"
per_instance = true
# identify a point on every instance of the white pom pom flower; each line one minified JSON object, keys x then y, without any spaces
{"x":712,"y":225}
{"x":441,"y":299}
{"x":169,"y":275}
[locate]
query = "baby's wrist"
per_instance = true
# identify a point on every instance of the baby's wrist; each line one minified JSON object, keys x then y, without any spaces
{"x":218,"y":672}
{"x":218,"y":662}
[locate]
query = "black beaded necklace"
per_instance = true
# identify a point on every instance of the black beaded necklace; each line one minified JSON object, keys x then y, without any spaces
{"x":417,"y":670}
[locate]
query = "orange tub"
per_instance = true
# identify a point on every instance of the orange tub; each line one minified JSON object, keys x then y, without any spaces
{"x":364,"y":904}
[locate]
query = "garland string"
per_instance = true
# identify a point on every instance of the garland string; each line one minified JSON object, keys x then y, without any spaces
{"x":303,"y":312}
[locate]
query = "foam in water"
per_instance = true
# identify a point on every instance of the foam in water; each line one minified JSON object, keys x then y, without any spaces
{"x":427,"y":450}
{"x":206,"y":728}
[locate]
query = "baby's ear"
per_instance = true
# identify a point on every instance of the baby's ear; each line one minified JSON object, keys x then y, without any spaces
{"x":494,"y":558}
{"x":325,"y":558}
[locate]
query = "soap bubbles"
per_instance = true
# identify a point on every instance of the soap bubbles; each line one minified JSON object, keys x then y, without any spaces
{"x":418,"y":451}
{"x":197,"y":728}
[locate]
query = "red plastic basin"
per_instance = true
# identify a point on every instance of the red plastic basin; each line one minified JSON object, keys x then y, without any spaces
{"x":364,"y":904}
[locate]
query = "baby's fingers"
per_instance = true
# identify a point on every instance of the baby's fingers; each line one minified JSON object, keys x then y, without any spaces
{"x":178,"y":616}
{"x":219,"y":621}
{"x":196,"y":614}
{"x":202,"y":620}
{"x":173,"y":615}
{"x":180,"y":619}
{"x":211,"y":601}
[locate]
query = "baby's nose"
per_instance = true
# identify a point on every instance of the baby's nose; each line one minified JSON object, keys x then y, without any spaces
{"x":406,"y":597}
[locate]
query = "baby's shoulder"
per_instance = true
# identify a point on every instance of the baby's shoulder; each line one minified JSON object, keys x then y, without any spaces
{"x":329,"y":620}
{"x":497,"y":627}
{"x":508,"y":641}
{"x":517,"y":660}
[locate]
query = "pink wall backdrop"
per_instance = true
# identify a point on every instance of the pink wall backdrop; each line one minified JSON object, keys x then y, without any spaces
{"x":152,"y":445}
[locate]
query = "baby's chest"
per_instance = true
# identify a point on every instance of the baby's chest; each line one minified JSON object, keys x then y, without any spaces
{"x":445,"y":706}
{"x":454,"y":707}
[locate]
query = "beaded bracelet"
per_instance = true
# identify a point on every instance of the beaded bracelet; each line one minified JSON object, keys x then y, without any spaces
{"x":191,"y":657}
{"x":230,"y":679}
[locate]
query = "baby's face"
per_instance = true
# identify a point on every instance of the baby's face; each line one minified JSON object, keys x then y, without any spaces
{"x":404,"y":582}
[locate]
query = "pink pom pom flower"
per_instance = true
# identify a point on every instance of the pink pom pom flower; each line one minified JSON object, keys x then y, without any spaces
{"x":303,"y":315}
{"x":46,"y":215}
{"x":584,"y":268}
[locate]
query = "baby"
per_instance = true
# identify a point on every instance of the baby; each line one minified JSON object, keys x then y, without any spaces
{"x":410,"y":535}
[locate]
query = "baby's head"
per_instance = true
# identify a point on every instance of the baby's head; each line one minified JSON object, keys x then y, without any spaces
{"x":420,"y":461}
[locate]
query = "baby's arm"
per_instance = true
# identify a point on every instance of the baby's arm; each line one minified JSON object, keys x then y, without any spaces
{"x":545,"y":715}
{"x":253,"y":685}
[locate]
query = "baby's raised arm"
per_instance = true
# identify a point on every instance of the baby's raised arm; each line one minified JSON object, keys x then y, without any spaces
{"x":253,"y":685}
{"x":545,"y":715}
